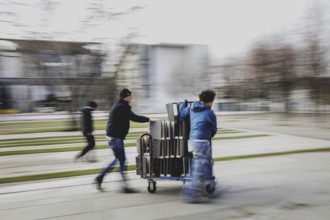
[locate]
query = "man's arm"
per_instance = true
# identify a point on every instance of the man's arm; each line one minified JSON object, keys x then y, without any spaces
{"x":137,"y":118}
{"x":184,"y":110}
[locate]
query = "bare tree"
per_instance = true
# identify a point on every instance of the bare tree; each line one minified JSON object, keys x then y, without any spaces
{"x":284,"y":72}
{"x":314,"y":55}
{"x":76,"y":72}
{"x":233,"y":73}
{"x":260,"y":62}
{"x":274,"y":69}
{"x":63,"y":67}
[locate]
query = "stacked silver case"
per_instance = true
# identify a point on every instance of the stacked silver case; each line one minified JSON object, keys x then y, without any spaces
{"x":164,"y":151}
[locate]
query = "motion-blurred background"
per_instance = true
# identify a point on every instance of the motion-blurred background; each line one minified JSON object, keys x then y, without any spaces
{"x":257,"y":55}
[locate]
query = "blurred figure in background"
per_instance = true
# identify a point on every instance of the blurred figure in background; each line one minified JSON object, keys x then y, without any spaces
{"x":203,"y":126}
{"x":87,"y":127}
{"x":117,"y":129}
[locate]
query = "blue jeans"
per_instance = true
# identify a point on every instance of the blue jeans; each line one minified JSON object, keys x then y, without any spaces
{"x":117,"y":146}
{"x":201,"y":168}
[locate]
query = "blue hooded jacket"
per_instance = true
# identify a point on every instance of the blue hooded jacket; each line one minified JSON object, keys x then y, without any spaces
{"x":203,"y":122}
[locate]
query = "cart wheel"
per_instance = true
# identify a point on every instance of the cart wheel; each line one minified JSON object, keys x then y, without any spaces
{"x":210,"y":188}
{"x":152,"y":187}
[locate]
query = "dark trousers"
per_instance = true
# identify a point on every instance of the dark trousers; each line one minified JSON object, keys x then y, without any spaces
{"x":90,"y":144}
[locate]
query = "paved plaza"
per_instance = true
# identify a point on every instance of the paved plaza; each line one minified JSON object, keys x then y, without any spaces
{"x":290,"y":186}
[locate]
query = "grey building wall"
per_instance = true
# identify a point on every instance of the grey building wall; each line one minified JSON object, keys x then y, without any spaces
{"x":163,"y":73}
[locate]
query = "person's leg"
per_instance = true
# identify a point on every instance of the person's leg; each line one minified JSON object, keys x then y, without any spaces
{"x":200,"y":158}
{"x":208,"y":165}
{"x":119,"y":151}
{"x":90,"y":145}
{"x":106,"y":170}
{"x":99,"y":179}
{"x":121,"y":156}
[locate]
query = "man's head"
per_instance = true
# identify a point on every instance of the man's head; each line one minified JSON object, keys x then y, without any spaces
{"x":207,"y":97}
{"x":126,"y":95}
{"x":92,"y":104}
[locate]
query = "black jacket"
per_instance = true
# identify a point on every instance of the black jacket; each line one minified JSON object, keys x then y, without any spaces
{"x":119,"y":117}
{"x":87,"y":120}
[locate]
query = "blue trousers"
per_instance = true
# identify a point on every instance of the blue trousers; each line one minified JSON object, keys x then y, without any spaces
{"x":117,"y":146}
{"x":201,"y":168}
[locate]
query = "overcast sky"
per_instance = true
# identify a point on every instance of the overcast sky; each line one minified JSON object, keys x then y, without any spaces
{"x":227,"y":26}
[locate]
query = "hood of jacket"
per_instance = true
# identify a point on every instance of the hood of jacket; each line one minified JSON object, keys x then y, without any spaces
{"x":199,"y":107}
{"x":203,"y":123}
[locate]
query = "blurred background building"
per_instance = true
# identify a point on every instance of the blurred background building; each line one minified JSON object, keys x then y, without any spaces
{"x":56,"y":60}
{"x":47,"y":75}
{"x":61,"y":76}
{"x":162,"y":73}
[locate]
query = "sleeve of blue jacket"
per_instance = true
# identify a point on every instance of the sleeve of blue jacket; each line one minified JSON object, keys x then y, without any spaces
{"x":214,"y":127}
{"x":184,"y":110}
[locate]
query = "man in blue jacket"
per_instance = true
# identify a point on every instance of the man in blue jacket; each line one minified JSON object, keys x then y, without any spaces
{"x":203,"y":126}
{"x":117,"y":128}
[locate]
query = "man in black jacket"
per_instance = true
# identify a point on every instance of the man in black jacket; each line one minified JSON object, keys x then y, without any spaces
{"x":117,"y":129}
{"x":87,"y":128}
